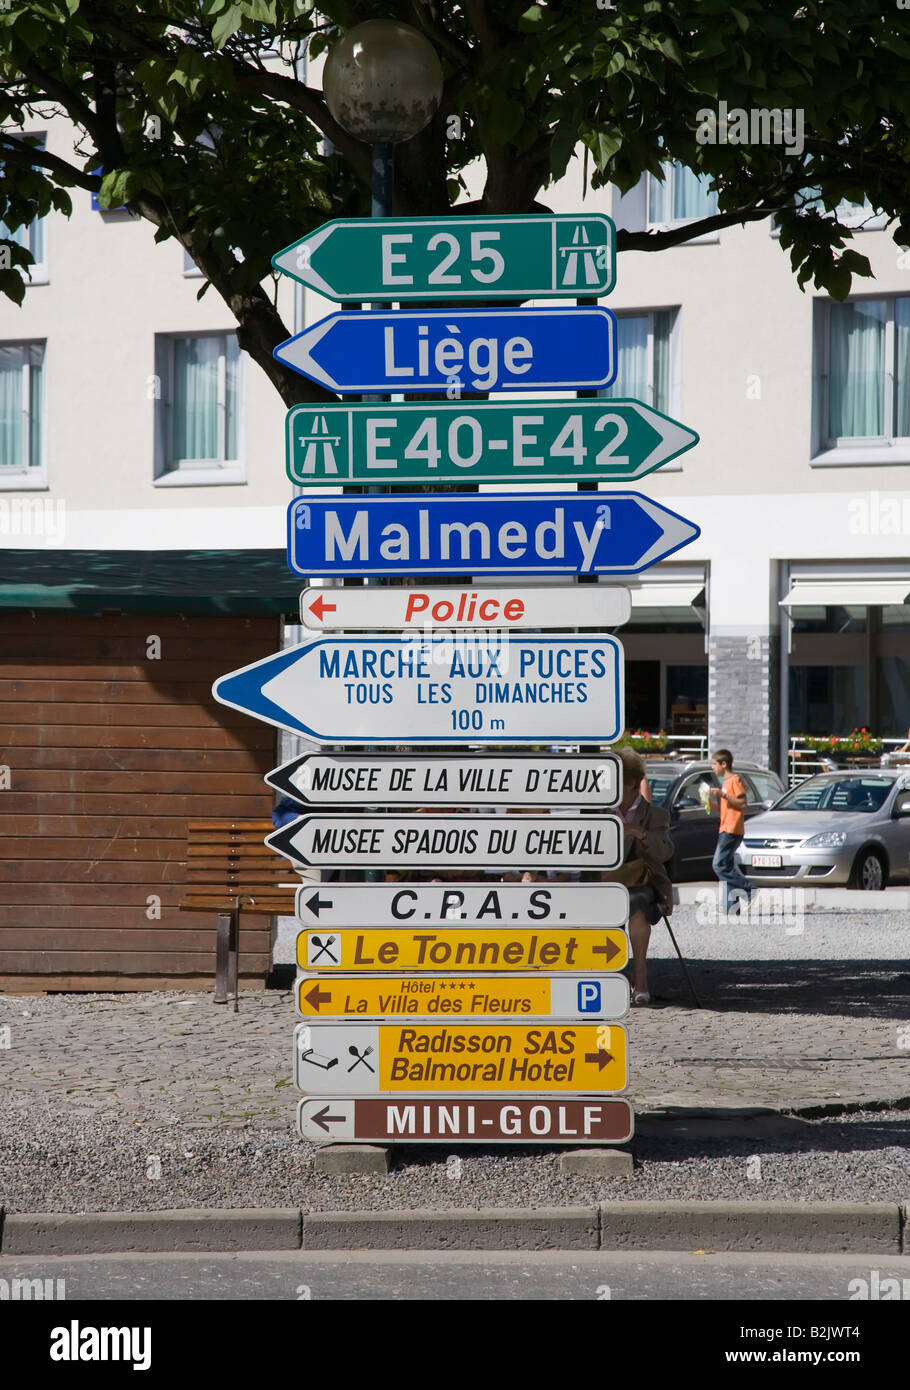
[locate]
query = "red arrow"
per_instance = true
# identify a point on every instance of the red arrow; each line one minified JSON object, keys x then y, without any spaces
{"x":317,"y":996}
{"x":600,"y":1057}
{"x":319,"y":607}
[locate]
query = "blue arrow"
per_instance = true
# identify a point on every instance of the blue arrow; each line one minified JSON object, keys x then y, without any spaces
{"x":483,"y":533}
{"x":473,"y":350}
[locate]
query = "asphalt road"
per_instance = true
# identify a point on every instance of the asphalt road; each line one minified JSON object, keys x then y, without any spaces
{"x":596,"y":1276}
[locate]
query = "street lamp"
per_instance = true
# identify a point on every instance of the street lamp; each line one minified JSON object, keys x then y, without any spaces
{"x":383,"y":83}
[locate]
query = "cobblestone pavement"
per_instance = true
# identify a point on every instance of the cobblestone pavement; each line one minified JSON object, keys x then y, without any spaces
{"x":807,"y":1034}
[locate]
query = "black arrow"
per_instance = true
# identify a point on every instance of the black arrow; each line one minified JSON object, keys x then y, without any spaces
{"x":315,"y":903}
{"x":323,"y":1119}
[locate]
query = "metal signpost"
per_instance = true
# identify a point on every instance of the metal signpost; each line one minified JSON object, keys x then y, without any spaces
{"x":433,"y":1120}
{"x":429,"y":842}
{"x":436,"y":1009}
{"x":469,"y":349}
{"x":408,"y":689}
{"x":422,"y":610}
{"x":428,"y":948}
{"x":489,"y":442}
{"x":366,"y":1058}
{"x":484,"y":779}
{"x":485,"y":997}
{"x":489,"y":905}
{"x":455,"y":258}
{"x":489,"y":533}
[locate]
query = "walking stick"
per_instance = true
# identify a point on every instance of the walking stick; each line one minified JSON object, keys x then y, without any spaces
{"x":698,"y":1003}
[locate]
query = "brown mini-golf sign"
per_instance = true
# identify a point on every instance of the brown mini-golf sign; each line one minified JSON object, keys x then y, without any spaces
{"x":435,"y":1119}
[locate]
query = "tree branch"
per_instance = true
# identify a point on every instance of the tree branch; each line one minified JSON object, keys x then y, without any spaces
{"x":11,"y":149}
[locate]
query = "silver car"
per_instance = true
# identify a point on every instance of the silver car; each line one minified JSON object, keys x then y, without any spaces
{"x":839,"y":828}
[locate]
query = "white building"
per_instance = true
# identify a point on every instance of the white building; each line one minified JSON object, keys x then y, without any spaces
{"x":143,"y":496}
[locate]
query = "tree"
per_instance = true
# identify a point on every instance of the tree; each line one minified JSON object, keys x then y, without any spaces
{"x":184,"y":117}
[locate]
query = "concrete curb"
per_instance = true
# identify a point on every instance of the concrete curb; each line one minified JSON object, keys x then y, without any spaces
{"x":497,"y":1228}
{"x":127,"y":1232}
{"x":770,"y":1227}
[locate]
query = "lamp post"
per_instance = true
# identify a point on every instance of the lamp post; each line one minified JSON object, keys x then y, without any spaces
{"x":382,"y":83}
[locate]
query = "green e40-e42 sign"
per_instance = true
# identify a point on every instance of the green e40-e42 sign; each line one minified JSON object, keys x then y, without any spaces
{"x":489,"y":441}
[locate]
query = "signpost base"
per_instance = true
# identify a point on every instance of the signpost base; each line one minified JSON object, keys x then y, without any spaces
{"x":351,"y":1158}
{"x":596,"y":1163}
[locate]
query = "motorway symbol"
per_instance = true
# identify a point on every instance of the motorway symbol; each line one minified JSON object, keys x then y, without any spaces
{"x":504,"y":533}
{"x":429,"y":842}
{"x":482,"y":779}
{"x":534,"y":905}
{"x":435,"y":258}
{"x":424,"y":610}
{"x":457,"y":948}
{"x":430,"y":997}
{"x":467,"y":688}
{"x":390,"y":1057}
{"x":424,"y":1119}
{"x":462,"y":350}
{"x":492,"y":442}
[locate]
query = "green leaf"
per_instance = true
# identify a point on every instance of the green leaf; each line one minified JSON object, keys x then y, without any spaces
{"x":226,"y":24}
{"x":670,"y":49}
{"x":531,"y":18}
{"x":740,"y":18}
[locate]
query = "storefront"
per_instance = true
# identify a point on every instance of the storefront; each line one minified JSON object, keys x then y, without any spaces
{"x":666,"y":651}
{"x":845,"y":650}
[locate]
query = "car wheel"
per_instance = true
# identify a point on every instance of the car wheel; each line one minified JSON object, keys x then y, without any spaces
{"x":869,"y":872}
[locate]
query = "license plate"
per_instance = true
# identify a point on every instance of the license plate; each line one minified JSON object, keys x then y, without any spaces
{"x":766,"y":861}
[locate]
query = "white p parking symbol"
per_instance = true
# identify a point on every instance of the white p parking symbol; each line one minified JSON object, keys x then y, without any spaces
{"x":588,"y":996}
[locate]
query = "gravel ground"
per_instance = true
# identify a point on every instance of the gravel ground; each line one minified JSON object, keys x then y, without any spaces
{"x":102,"y":1093}
{"x":64,"y":1165}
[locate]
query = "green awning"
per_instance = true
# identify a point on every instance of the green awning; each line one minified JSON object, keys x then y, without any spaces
{"x":243,"y":582}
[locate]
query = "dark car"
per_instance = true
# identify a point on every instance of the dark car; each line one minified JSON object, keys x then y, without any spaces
{"x":675,"y":786}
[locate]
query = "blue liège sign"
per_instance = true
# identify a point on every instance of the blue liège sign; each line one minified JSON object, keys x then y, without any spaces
{"x":483,"y":534}
{"x":467,"y":349}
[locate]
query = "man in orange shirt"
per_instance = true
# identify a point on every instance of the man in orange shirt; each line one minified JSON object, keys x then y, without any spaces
{"x":732,"y":798}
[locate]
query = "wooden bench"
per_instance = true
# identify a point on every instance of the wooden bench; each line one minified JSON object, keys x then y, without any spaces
{"x":230,"y":869}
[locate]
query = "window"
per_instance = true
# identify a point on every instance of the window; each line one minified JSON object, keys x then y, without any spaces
{"x":199,"y":410}
{"x":33,"y":237}
{"x":861,"y":217}
{"x":681,"y":196}
{"x":643,"y":365}
{"x":763,"y":786}
{"x":661,"y":204}
{"x":690,"y":793}
{"x":863,"y":379}
{"x":22,"y":415}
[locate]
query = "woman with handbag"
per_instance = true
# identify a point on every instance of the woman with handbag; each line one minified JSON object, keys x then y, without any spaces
{"x":643,"y":870}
